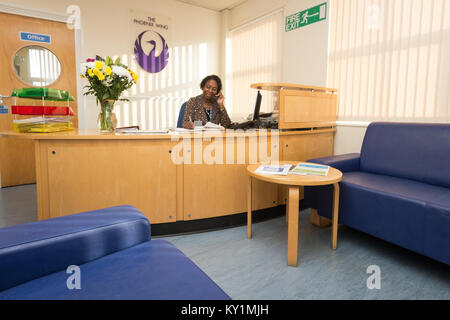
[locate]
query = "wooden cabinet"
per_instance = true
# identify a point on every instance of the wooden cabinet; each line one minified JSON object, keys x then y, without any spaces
{"x":83,"y":175}
{"x":302,"y":106}
{"x":215,"y":177}
{"x":303,"y":147}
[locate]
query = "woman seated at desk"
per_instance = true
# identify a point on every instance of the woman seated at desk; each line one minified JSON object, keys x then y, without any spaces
{"x":207,"y":107}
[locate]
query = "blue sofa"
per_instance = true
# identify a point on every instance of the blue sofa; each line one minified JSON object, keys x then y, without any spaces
{"x":397,"y":188}
{"x":115,"y":256}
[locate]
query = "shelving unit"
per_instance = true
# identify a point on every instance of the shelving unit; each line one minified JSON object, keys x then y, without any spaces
{"x":32,"y":112}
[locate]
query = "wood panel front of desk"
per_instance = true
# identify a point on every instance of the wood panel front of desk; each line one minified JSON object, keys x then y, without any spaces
{"x":83,"y":175}
{"x":218,"y":186}
{"x":77,"y":175}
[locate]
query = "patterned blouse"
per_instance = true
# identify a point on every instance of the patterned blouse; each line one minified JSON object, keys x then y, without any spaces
{"x":197,"y":112}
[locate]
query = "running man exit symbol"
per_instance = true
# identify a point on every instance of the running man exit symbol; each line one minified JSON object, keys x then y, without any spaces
{"x":306,"y":17}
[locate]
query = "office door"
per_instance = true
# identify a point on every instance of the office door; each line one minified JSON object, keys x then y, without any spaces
{"x":17,"y":164}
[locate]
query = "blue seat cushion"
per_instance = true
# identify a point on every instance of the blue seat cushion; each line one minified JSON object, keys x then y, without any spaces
{"x":33,"y":250}
{"x":152,"y":270}
{"x":412,"y":214}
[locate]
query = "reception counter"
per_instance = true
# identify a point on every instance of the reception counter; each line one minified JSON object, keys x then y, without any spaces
{"x":169,"y":177}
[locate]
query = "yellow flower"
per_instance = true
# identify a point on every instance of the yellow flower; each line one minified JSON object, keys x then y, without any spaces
{"x":100,"y":76}
{"x":108,"y":71}
{"x":99,"y":64}
{"x":90,"y":73}
{"x":82,"y":77}
{"x":134,"y":75}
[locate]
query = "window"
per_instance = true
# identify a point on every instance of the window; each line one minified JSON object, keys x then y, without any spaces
{"x":389,"y":59}
{"x":43,"y":65}
{"x":255,"y":51}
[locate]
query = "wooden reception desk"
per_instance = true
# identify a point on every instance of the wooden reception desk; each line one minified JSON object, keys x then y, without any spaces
{"x":160,"y":174}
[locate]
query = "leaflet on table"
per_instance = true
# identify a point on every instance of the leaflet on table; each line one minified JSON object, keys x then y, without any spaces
{"x":273,"y":169}
{"x":310,"y":169}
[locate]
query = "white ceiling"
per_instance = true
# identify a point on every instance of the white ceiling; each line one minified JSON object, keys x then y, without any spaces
{"x":216,"y":5}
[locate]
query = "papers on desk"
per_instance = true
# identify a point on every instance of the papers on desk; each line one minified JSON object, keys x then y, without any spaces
{"x":209,"y":126}
{"x":136,"y":131}
{"x":212,"y":126}
{"x":273,"y":169}
{"x":310,"y":169}
{"x":38,"y":120}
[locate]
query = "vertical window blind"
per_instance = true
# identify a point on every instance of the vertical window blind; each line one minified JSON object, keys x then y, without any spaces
{"x":43,"y":65}
{"x":255,"y":57}
{"x":389,"y":59}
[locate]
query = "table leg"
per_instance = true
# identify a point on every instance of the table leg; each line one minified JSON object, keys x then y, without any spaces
{"x":335,"y":216}
{"x":249,"y":208}
{"x":287,"y":210}
{"x":293,"y":226}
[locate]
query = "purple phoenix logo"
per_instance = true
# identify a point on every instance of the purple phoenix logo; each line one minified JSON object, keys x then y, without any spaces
{"x":150,"y":62}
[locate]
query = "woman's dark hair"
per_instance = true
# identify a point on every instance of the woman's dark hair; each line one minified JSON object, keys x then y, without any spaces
{"x":212,"y":77}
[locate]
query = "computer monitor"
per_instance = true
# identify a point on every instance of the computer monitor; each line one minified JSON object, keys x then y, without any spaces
{"x":257,"y":106}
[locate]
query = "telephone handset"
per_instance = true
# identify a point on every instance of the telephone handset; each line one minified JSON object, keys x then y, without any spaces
{"x":215,"y":97}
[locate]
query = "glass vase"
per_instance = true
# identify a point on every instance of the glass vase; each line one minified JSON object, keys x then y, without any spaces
{"x":107,"y":120}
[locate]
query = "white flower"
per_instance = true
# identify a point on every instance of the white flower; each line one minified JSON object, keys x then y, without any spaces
{"x":121,"y":72}
{"x":86,"y":65}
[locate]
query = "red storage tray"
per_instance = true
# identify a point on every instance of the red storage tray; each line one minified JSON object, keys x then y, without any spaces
{"x":42,"y":111}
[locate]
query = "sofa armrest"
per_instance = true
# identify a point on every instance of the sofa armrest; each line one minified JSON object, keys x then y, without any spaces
{"x":345,"y":162}
{"x":36,"y":249}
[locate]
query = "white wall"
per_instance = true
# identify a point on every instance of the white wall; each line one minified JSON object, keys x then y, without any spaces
{"x":349,"y":138}
{"x":252,"y":9}
{"x":305,"y":49}
{"x":106,"y":31}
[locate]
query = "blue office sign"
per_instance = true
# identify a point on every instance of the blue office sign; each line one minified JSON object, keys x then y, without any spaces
{"x":3,"y":109}
{"x":35,"y":37}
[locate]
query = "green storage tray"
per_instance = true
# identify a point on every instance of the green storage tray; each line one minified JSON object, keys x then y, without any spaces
{"x":46,"y":93}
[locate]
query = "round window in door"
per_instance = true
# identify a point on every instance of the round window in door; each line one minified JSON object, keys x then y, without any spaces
{"x":36,"y":66}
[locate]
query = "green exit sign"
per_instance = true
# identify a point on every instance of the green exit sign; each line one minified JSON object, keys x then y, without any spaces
{"x":305,"y":17}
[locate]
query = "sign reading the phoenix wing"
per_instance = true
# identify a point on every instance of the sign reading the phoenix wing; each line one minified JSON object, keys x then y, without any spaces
{"x":306,"y":17}
{"x":151,"y":41}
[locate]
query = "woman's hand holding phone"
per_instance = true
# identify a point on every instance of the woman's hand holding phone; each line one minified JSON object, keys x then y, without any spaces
{"x":220,"y":99}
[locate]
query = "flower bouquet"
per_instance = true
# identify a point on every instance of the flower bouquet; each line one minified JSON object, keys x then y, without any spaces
{"x":107,"y":81}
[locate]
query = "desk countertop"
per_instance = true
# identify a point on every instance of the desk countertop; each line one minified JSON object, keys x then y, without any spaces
{"x":80,"y":134}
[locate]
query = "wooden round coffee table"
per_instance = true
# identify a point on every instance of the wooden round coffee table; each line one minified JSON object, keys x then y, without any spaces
{"x":294,"y":182}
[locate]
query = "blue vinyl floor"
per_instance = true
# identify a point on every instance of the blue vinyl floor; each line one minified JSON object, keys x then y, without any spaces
{"x":256,"y":269}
